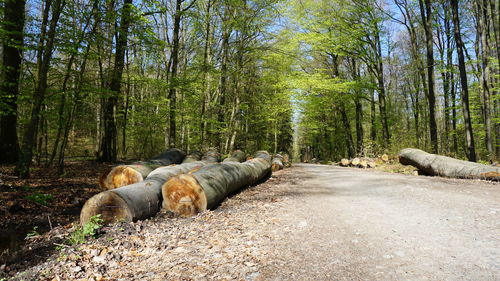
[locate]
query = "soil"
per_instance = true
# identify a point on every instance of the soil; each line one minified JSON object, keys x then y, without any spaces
{"x":44,"y":201}
{"x":308,"y":222}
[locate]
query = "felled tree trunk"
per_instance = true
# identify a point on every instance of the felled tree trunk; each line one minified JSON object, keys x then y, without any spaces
{"x":211,"y":155}
{"x":237,"y":156}
{"x":129,"y":174}
{"x":193,"y":156}
{"x":277,"y":163}
{"x":286,"y":160}
{"x":438,"y":165}
{"x":345,"y":162}
{"x":189,"y":194}
{"x":136,"y":201}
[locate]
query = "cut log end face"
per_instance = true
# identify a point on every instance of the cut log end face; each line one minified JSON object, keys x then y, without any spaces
{"x":121,"y":176}
{"x":345,"y":162}
{"x":109,"y":205}
{"x":184,"y":196}
{"x":276,"y":167}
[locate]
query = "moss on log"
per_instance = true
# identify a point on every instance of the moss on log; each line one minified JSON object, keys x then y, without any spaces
{"x":438,"y":165}
{"x":236,"y":156}
{"x":189,"y":194}
{"x":123,"y":175}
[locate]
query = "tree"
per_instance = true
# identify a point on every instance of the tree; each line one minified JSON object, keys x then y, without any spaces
{"x":13,"y":29}
{"x":471,"y":151}
{"x":427,"y":19}
{"x":44,"y":57}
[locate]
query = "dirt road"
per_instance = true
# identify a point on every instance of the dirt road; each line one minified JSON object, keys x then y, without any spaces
{"x":309,"y":222}
{"x":356,"y":224}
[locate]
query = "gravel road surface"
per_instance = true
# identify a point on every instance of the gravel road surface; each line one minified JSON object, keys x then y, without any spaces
{"x":354,"y":224}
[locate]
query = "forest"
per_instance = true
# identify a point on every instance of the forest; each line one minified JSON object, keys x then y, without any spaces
{"x":114,"y":80}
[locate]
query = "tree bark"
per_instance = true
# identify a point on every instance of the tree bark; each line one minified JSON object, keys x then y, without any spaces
{"x":193,"y":156}
{"x":471,"y":151}
{"x":123,"y":175}
{"x":426,"y":13}
{"x":13,"y":25}
{"x":438,"y":165}
{"x":172,"y":94}
{"x":189,"y":194}
{"x":110,"y":135}
{"x":237,"y":156}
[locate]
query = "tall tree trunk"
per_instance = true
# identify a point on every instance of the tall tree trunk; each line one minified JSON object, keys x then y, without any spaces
{"x":223,"y":79}
{"x":471,"y":152}
{"x":13,"y":27}
{"x":43,"y":64}
{"x":381,"y":91}
{"x":206,"y":67}
{"x":172,"y":94}
{"x":359,"y":110}
{"x":347,"y":130}
{"x":483,"y":31}
{"x":426,"y":14}
{"x":110,"y":136}
{"x":373,"y":127}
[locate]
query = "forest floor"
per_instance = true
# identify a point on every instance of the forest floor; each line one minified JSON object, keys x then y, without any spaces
{"x":43,"y":200}
{"x":308,"y":222}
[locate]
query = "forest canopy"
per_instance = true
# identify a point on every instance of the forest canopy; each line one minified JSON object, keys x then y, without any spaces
{"x":126,"y":79}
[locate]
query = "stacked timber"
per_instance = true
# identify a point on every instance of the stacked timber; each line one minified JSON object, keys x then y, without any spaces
{"x":363,"y":162}
{"x":437,"y":165}
{"x":140,"y":200}
{"x":123,"y":175}
{"x":189,"y":194}
{"x":277,"y":163}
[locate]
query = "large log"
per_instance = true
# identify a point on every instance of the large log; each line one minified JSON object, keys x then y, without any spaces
{"x":277,"y":163}
{"x":189,"y":194}
{"x":211,"y":155}
{"x":286,"y":160}
{"x":123,"y":175}
{"x":438,"y":165}
{"x":237,"y":156}
{"x":193,"y":156}
{"x":136,"y":201}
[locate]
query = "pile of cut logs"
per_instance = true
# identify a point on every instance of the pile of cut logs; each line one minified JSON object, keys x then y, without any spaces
{"x":180,"y":183}
{"x":363,"y":162}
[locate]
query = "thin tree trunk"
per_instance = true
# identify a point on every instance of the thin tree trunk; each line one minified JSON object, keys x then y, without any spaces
{"x":110,"y":137}
{"x":426,"y":14}
{"x":172,"y":94}
{"x":471,"y":152}
{"x":45,"y":56}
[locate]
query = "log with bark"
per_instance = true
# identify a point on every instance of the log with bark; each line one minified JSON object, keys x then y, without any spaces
{"x":277,"y":163}
{"x":345,"y":162}
{"x":189,"y":194}
{"x":136,"y":201}
{"x":237,"y":156}
{"x":355,"y":161}
{"x":193,"y":156}
{"x":437,"y":165}
{"x":286,"y":160}
{"x":123,"y":175}
{"x":211,"y":155}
